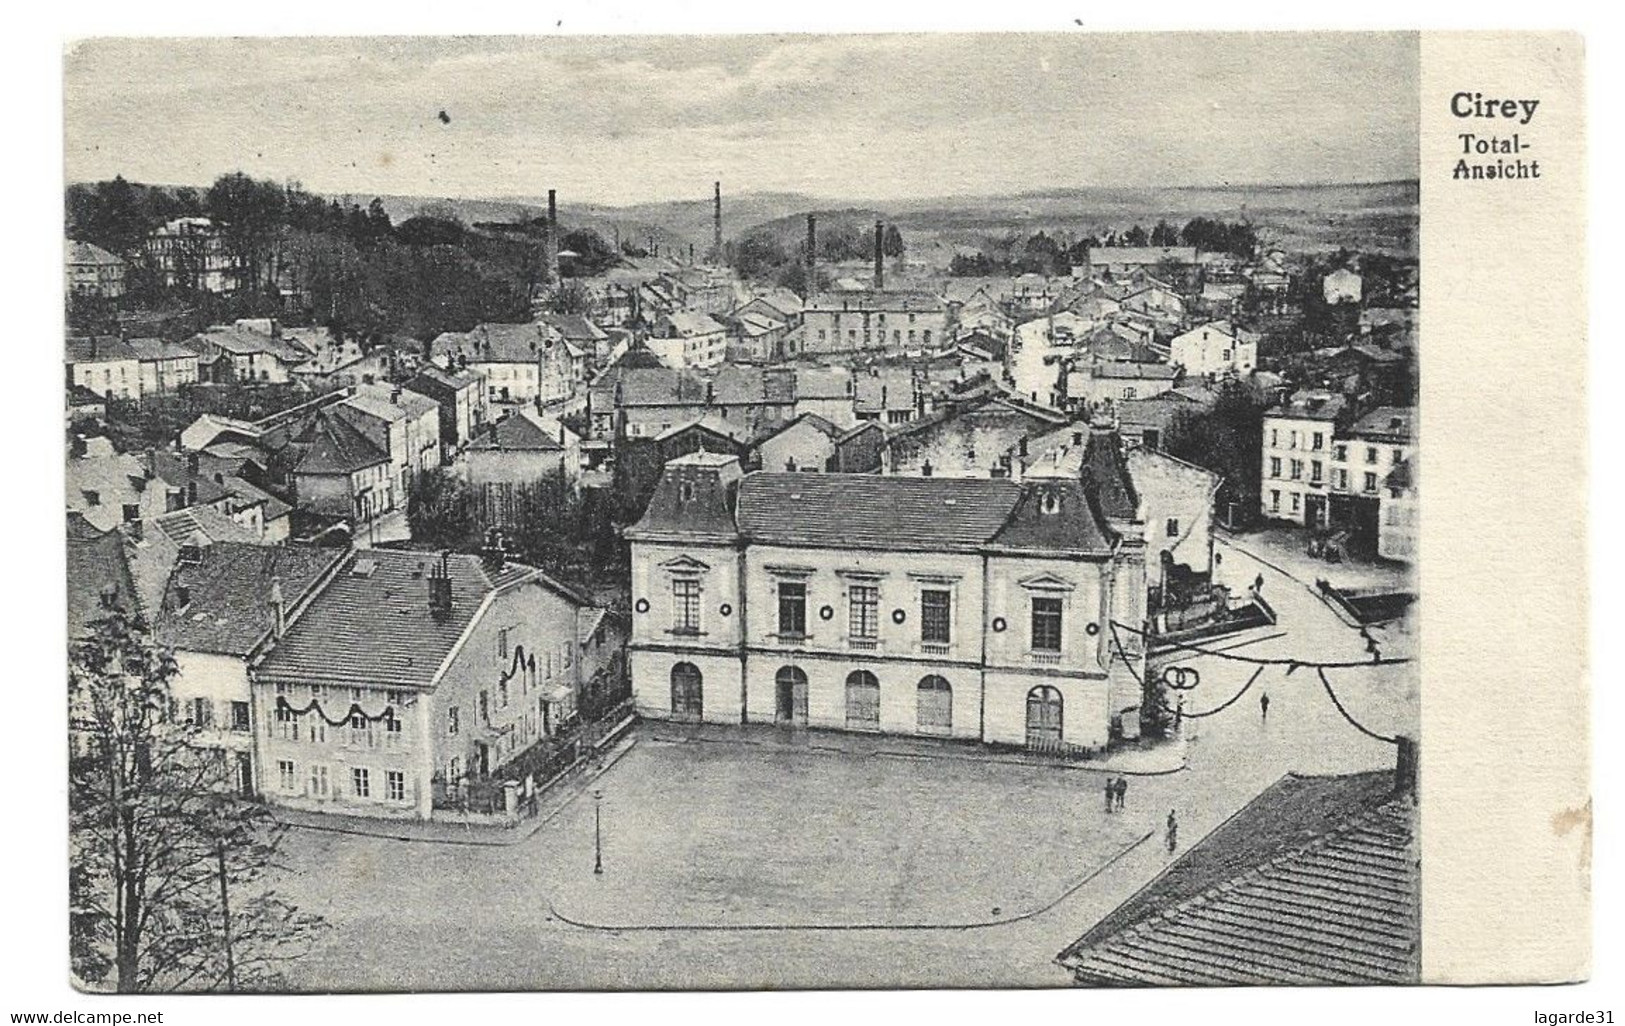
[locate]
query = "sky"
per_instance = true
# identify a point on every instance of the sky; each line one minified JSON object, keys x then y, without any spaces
{"x":622,"y":120}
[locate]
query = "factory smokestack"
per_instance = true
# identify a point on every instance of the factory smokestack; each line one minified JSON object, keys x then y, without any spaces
{"x":812,"y":255}
{"x":716,"y":227}
{"x":880,"y":256}
{"x":553,"y":236}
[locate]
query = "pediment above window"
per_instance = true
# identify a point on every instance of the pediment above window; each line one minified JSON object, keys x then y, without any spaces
{"x":1047,"y":582}
{"x":685,"y":565}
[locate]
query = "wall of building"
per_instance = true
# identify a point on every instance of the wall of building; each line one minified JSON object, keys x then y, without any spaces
{"x":803,"y":444}
{"x":1171,"y":490}
{"x":113,"y":379}
{"x":221,"y":681}
{"x":1290,"y":439}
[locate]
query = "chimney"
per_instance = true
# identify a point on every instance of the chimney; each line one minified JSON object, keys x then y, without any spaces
{"x":279,"y":612}
{"x":440,"y":588}
{"x":191,"y":493}
{"x":1405,"y":767}
{"x":716,"y":227}
{"x":812,"y":255}
{"x":553,"y":236}
{"x":495,"y":553}
{"x":880,"y":256}
{"x":193,"y":462}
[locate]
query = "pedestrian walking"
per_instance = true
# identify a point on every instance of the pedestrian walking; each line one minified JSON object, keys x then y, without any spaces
{"x":1218,"y":560}
{"x":1264,"y":706}
{"x":1122,"y":791}
{"x":1173,"y":831}
{"x":1258,"y":584}
{"x":1111,"y":791}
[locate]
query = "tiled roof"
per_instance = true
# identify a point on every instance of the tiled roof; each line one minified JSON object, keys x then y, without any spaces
{"x":431,"y":378}
{"x":686,"y":323}
{"x":1315,"y":881}
{"x":1056,"y":515}
{"x":391,"y":404}
{"x":197,"y":525}
{"x":523,"y":430}
{"x":228,"y":595}
{"x":866,"y":511}
{"x":177,"y":472}
{"x":333,"y":447}
{"x":90,"y":253}
{"x":1134,"y":370}
{"x":870,"y":300}
{"x":374,"y":626}
{"x":1105,"y":469}
{"x":1389,"y":423}
{"x":97,"y":570}
{"x":574,"y":327}
{"x":150,"y":350}
{"x":242,"y":341}
{"x":497,"y":343}
{"x":1310,"y":405}
{"x":98,"y":349}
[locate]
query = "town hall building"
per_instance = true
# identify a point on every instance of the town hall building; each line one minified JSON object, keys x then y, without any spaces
{"x":977,"y":609}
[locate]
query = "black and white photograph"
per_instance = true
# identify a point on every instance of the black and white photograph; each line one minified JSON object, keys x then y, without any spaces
{"x":753,"y":512}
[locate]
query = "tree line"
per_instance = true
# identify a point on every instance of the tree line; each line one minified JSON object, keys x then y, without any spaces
{"x":1043,"y":253}
{"x":307,"y":258}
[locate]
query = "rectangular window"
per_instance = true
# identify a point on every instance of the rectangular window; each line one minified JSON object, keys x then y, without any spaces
{"x":1315,"y":470}
{"x":792,"y":609}
{"x":318,"y":781}
{"x":1275,"y":500}
{"x":1397,"y":455}
{"x":451,"y":720}
{"x":1275,"y":466}
{"x":395,"y":785}
{"x":485,"y":707}
{"x":864,"y":621}
{"x":239,"y":716}
{"x":1371,"y":482}
{"x":1173,"y":527}
{"x":1371,"y":454}
{"x":287,"y":723}
{"x":1319,"y":440}
{"x":199,"y":713}
{"x":1340,"y":453}
{"x":502,"y":643}
{"x":1340,"y":478}
{"x":1296,"y":499}
{"x":285,"y":775}
{"x":1046,"y":625}
{"x":360,"y":784}
{"x":1297,"y":470}
{"x":685,"y":601}
{"x":1275,"y":438}
{"x":936,"y":619}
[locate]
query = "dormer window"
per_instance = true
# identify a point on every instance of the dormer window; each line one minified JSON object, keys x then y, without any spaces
{"x":685,"y":492}
{"x":1049,"y":502}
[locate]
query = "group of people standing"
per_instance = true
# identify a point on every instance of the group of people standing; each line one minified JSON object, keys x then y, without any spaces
{"x":1117,"y":791}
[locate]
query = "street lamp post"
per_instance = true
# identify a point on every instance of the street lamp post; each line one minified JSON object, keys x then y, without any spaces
{"x":598,"y":832}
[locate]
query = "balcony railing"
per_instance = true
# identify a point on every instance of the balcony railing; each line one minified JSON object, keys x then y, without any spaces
{"x":863,"y":644}
{"x":1044,"y":658}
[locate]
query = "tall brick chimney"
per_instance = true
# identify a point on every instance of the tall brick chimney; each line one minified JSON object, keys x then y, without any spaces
{"x":880,"y":256}
{"x":553,"y":236}
{"x":812,"y":255}
{"x":716,"y":227}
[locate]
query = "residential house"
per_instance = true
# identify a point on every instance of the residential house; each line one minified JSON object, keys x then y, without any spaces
{"x":581,"y":333}
{"x":463,"y":400}
{"x":1218,"y":348}
{"x":164,"y":366}
{"x":969,"y":608}
{"x":688,"y":340}
{"x":1178,"y":507}
{"x":521,"y":363}
{"x":110,"y":488}
{"x":337,"y":471}
{"x":806,"y":443}
{"x":191,"y":253}
{"x":93,"y":272}
{"x":1341,"y":286}
{"x":402,"y":423}
{"x":871,"y":321}
{"x":343,"y":363}
{"x":858,"y":450}
{"x":1100,"y":382}
{"x":974,"y":438}
{"x":410,"y":679}
{"x":1120,"y":260}
{"x":1300,"y":445}
{"x":1314,"y":882}
{"x":1379,"y":462}
{"x":1155,"y":298}
{"x":1145,"y":421}
{"x":104,"y":364}
{"x":890,"y":395}
{"x":517,"y":457}
{"x":756,"y":337}
{"x":241,"y":353}
{"x":224,"y":606}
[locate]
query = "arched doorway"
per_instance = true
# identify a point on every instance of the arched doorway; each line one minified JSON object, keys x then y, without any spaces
{"x":687,"y":692}
{"x":1044,"y":718}
{"x":791,"y":685}
{"x":936,"y":705}
{"x":862,"y":701}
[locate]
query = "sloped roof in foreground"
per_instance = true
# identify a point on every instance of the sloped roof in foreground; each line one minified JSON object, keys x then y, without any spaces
{"x":1315,"y":881}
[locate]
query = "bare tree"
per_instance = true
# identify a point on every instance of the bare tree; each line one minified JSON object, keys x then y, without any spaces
{"x":167,"y":858}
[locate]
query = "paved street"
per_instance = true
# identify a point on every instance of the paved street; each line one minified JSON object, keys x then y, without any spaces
{"x":753,"y":863}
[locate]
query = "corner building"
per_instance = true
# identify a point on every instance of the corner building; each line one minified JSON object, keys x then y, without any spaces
{"x":964,"y":608}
